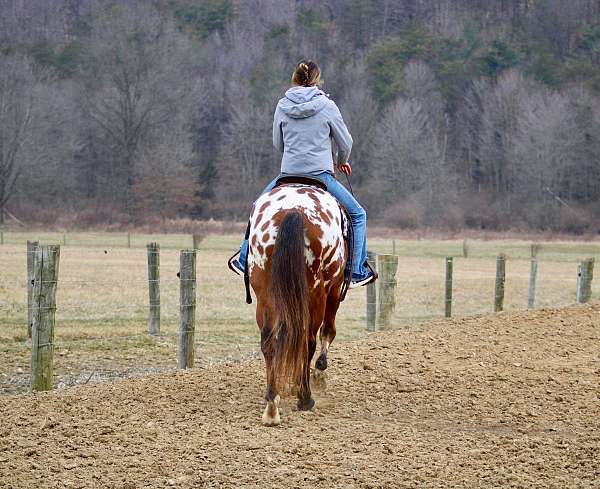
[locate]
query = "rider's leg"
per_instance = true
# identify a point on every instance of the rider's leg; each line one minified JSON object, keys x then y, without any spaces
{"x":359,"y":223}
{"x":244,"y":248}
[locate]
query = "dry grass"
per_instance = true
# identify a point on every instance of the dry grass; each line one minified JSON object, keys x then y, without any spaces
{"x":102,"y":298}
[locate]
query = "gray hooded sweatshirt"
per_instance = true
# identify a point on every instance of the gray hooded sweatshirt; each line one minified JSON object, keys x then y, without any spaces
{"x":305,"y":121}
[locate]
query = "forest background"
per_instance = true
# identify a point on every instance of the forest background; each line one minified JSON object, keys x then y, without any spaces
{"x":465,"y":113}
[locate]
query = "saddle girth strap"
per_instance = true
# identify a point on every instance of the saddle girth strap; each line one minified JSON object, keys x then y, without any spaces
{"x":350,"y":259}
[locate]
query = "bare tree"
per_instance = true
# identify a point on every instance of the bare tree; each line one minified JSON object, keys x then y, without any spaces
{"x":19,"y":83}
{"x":360,"y":113}
{"x":248,"y":161}
{"x":164,"y":183}
{"x":551,"y":156}
{"x":409,"y":158}
{"x":133,"y":86}
{"x":501,"y":110}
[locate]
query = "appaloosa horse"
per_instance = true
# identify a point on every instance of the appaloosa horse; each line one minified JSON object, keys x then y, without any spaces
{"x":296,"y":266}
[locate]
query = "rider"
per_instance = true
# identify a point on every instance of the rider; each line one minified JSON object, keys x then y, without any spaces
{"x":305,"y":121}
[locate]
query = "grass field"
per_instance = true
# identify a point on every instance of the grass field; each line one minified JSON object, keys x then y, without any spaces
{"x":102,"y":298}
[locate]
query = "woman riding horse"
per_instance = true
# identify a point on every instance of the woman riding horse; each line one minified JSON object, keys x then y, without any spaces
{"x":305,"y":121}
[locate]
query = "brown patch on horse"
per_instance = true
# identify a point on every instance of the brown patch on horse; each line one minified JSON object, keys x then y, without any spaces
{"x":316,"y":266}
{"x":325,"y":217}
{"x":314,"y":198}
{"x":253,"y":241}
{"x":281,"y":198}
{"x":264,"y":206}
{"x":265,"y":226}
{"x":332,"y":271}
{"x":318,"y":206}
{"x":265,"y":238}
{"x":337,"y":243}
{"x":329,"y":254}
{"x":330,"y":214}
{"x":258,"y":219}
{"x":315,"y":246}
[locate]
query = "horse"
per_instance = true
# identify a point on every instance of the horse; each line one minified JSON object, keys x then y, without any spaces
{"x":296,"y":262}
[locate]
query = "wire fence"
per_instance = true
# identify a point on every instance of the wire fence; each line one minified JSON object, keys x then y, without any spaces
{"x":555,"y":250}
{"x":102,"y":307}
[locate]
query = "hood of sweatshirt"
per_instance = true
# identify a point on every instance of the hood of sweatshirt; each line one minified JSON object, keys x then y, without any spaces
{"x":302,"y":102}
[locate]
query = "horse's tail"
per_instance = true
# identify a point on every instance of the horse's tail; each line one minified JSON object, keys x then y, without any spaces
{"x":289,"y":295}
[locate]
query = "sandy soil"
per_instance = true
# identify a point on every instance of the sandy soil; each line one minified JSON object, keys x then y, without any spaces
{"x":509,"y":400}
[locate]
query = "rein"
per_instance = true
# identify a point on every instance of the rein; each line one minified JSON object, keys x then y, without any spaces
{"x":349,"y":185}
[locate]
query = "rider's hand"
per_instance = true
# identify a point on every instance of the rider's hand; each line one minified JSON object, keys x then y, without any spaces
{"x":346,"y":168}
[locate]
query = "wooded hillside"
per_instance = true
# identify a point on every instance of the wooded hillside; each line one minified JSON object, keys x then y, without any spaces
{"x":465,"y":113}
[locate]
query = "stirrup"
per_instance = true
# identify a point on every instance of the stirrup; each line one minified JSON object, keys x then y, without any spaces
{"x":375,"y":274}
{"x":234,"y":268}
{"x":369,"y":279}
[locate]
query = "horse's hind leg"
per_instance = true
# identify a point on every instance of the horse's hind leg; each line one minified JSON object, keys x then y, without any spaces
{"x":305,"y":400}
{"x":270,"y":415}
{"x":327,"y":333}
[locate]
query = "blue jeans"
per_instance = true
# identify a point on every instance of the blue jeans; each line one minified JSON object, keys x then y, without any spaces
{"x":357,"y":215}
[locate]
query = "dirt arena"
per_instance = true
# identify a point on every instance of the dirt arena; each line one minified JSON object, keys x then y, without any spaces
{"x":509,"y":400}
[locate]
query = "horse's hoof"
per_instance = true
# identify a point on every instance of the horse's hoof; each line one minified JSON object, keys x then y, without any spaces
{"x":271,"y":416}
{"x":306,"y":404}
{"x":321,"y":363}
{"x":271,"y":421}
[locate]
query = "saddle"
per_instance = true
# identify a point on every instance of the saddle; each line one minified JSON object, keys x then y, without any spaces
{"x":301,"y":180}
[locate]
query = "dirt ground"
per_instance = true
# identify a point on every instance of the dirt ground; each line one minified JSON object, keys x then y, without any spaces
{"x":508,"y":400}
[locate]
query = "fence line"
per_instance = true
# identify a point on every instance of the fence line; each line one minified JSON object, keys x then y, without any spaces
{"x":380,"y":306}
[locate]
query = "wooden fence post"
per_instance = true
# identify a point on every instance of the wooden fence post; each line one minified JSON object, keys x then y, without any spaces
{"x":589,"y":276}
{"x":44,"y":307}
{"x":535,"y":248}
{"x":387,"y":267}
{"x":31,"y":249}
{"x":465,"y":249}
{"x":584,"y":280}
{"x":393,"y":247}
{"x":372,"y":294}
{"x":578,"y":286}
{"x":448,"y":302}
{"x":196,"y":240}
{"x":500,"y":280}
{"x":153,"y":288}
{"x":187,"y":308}
{"x":532,"y":284}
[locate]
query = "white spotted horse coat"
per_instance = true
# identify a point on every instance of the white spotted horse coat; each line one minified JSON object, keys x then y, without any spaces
{"x":310,"y":306}
{"x":322,"y":217}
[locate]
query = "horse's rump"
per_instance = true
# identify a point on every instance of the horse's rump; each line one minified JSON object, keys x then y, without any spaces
{"x":324,"y":241}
